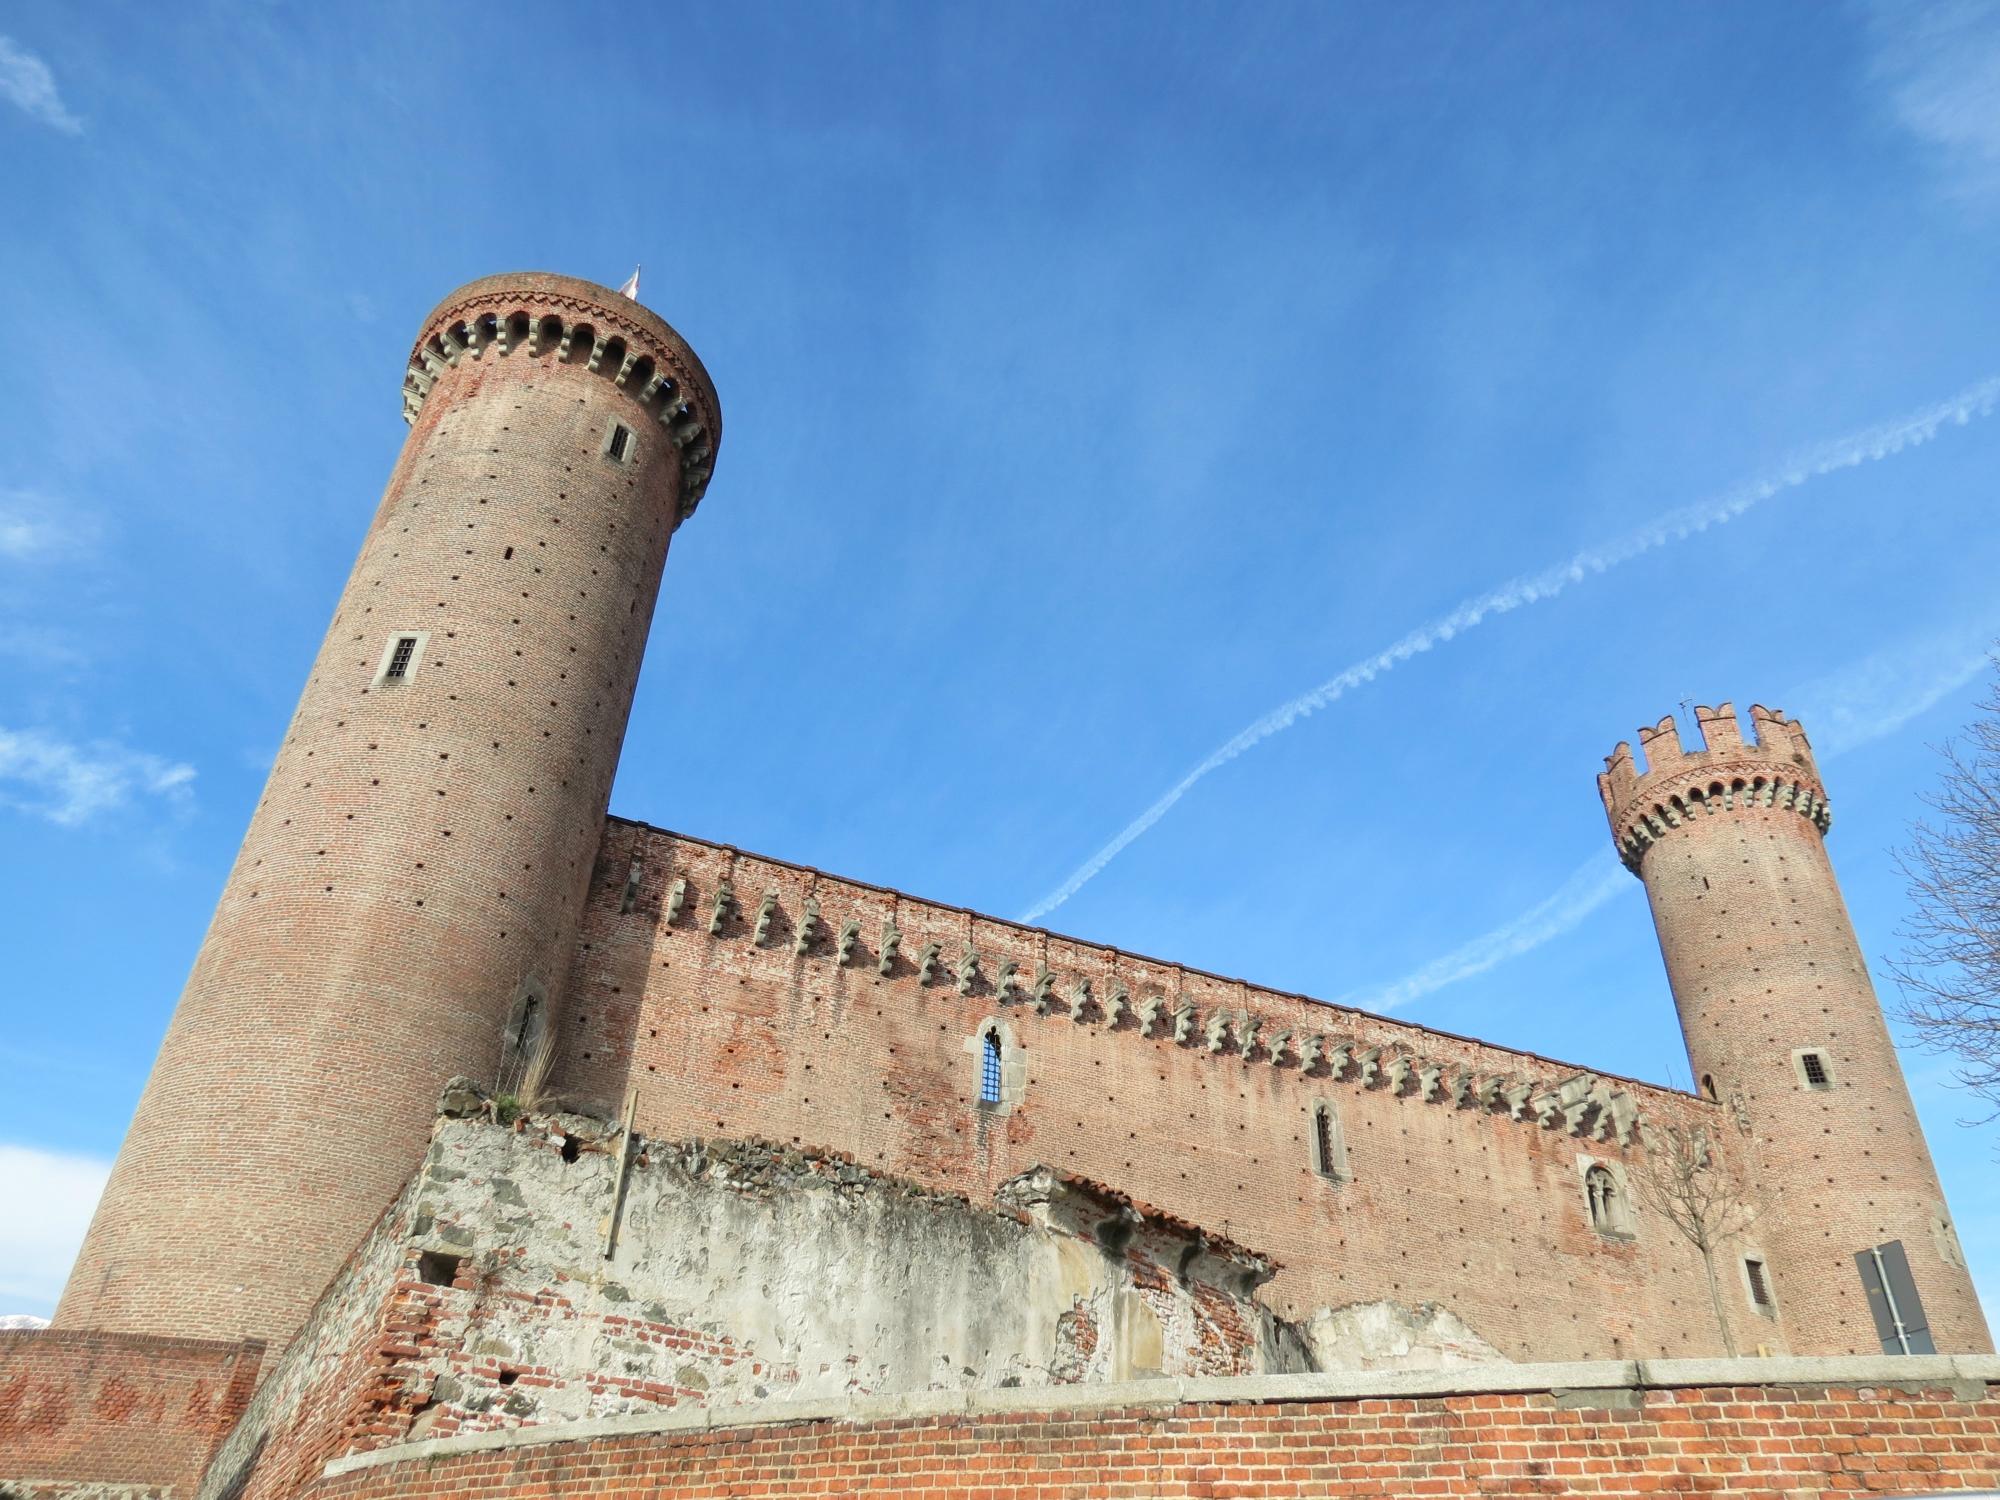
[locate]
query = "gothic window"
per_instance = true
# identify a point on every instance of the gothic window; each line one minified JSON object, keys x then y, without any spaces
{"x":1608,"y":1211}
{"x":989,"y":1068}
{"x":1329,"y":1148}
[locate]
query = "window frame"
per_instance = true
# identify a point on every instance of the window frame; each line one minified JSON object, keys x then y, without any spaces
{"x":1767,"y":1305}
{"x":1328,"y":1143}
{"x":631,"y":453}
{"x":1829,"y":1081}
{"x":419,"y":639}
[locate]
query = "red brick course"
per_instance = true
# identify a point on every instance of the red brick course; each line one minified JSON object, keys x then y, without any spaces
{"x":1755,"y":1441}
{"x":118,"y":1409}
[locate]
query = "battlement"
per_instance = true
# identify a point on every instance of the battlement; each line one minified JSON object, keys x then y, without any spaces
{"x":1725,"y":772}
{"x":572,"y":321}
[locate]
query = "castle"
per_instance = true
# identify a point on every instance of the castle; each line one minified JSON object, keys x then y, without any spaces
{"x":1128,"y":1170}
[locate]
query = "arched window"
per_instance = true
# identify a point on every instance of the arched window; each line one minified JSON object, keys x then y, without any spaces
{"x":1607,"y":1201}
{"x":1329,"y":1149}
{"x":989,"y":1067}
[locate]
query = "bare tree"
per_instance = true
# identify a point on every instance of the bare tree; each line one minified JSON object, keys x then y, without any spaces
{"x":1949,"y":969}
{"x":1678,"y":1179}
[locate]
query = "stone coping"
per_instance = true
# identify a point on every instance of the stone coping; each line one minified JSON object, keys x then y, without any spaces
{"x":1923,"y":1371}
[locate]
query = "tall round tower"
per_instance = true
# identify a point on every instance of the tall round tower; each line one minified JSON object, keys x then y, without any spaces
{"x":406,"y":899}
{"x":1785,"y":1033}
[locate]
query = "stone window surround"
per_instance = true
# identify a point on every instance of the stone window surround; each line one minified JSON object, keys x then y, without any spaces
{"x":1013,"y":1066}
{"x":1336,"y":1170}
{"x":1769,"y":1308}
{"x":1624,"y":1225}
{"x":1826,"y":1065}
{"x":631,"y":455}
{"x":382,"y":677}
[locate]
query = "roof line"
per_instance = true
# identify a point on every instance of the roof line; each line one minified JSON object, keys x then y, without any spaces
{"x":1168,"y":963}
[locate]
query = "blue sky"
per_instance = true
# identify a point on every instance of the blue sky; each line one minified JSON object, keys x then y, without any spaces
{"x":1096,"y":383}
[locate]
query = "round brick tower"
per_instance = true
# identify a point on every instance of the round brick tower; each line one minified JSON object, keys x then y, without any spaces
{"x":1784,"y":1032}
{"x":405,"y":902}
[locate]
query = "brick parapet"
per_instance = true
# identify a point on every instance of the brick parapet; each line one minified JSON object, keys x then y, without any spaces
{"x":585,"y":324}
{"x":1729,"y":1427}
{"x":1678,"y":785}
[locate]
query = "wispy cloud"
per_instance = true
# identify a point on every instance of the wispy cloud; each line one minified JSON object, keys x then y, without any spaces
{"x":1939,"y":65}
{"x":1872,"y":698}
{"x":32,"y":526}
{"x":1869,"y":445}
{"x":1593,"y":883}
{"x":28,"y":85}
{"x":50,"y":1198}
{"x":43,"y":774}
{"x":1866,"y":700}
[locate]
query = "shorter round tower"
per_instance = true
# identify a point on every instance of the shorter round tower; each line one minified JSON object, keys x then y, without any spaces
{"x":1785,"y":1034}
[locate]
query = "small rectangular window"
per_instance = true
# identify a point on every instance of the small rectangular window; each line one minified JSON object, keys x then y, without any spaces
{"x":1815,"y":1069}
{"x":620,"y":440}
{"x":399,"y":659}
{"x":1760,"y":1288}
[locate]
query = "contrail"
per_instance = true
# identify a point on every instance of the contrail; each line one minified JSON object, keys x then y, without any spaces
{"x":1592,"y":884}
{"x":1864,"y":701}
{"x":1865,"y":446}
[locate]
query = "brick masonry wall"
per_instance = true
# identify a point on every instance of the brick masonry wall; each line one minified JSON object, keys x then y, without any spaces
{"x":1454,"y":1201}
{"x":1760,"y":1440}
{"x":421,"y":851}
{"x":116,"y":1409}
{"x":1764,"y":963}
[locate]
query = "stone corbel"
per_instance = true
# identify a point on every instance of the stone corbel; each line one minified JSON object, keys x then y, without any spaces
{"x":1280,"y":1047}
{"x":725,"y":897}
{"x":843,"y":948}
{"x":766,"y":909}
{"x":1368,"y":1066}
{"x":968,"y":970}
{"x":1006,"y":979}
{"x":927,"y":962}
{"x":1339,"y":1057}
{"x":1247,"y":1028}
{"x":892,"y":939}
{"x":1183,"y":1022}
{"x":1430,"y":1082}
{"x":1516,"y":1096}
{"x":677,"y":895}
{"x":808,"y":925}
{"x":1045,"y":987}
{"x":1216,"y":1033}
{"x":1397,"y":1073}
{"x":1151,"y":1009}
{"x":1311,"y":1053}
{"x":1119,"y":1006}
{"x":1082,"y":1003}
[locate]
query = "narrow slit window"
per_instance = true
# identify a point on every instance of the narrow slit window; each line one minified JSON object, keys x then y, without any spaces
{"x":989,"y":1069}
{"x":1760,"y":1286}
{"x":399,"y":659}
{"x":1329,"y":1154}
{"x":621,"y":439}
